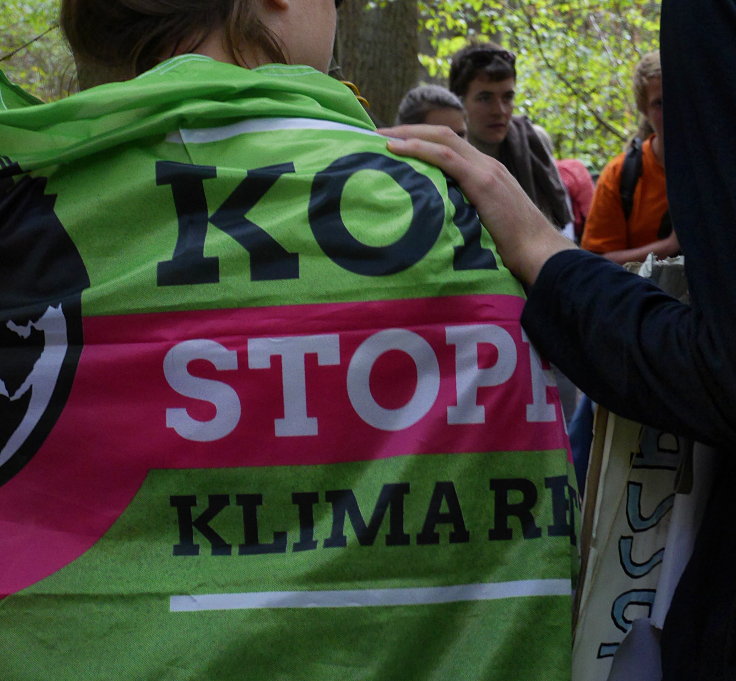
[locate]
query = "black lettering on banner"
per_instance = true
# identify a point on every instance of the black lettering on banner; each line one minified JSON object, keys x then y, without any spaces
{"x":344,"y":504}
{"x":562,"y":509}
{"x":659,"y":449}
{"x":638,"y":522}
{"x":471,"y":255}
{"x":630,"y":566}
{"x":251,"y":545}
{"x":607,"y":650}
{"x":343,"y":248}
{"x":187,"y":525}
{"x":268,"y":259}
{"x":188,"y":266}
{"x":504,"y":509}
{"x":305,"y":501}
{"x":642,"y":598}
{"x":444,"y":492}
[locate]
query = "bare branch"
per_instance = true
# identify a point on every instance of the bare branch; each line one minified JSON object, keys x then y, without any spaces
{"x":604,"y":42}
{"x":9,"y":55}
{"x":581,"y":96}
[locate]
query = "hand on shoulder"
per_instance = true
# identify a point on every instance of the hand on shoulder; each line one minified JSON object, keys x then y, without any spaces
{"x":524,"y":237}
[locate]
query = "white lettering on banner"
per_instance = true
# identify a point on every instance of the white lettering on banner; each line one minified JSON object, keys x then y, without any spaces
{"x":469,"y":376}
{"x":221,"y":395}
{"x":540,"y":410}
{"x":425,"y":393}
{"x":292,"y":351}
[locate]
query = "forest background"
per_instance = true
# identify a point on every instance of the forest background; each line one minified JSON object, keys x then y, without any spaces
{"x":575,"y":58}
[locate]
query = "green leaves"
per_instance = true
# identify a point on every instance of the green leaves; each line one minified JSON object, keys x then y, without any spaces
{"x":32,"y":51}
{"x":575,"y":58}
{"x":575,"y":61}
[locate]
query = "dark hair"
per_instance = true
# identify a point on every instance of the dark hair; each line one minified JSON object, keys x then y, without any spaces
{"x":131,"y":36}
{"x":419,"y":101}
{"x":487,"y":58}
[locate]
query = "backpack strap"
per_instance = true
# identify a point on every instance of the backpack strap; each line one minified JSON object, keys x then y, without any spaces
{"x":630,"y":173}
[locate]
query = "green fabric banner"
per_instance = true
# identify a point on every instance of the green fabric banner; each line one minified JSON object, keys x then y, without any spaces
{"x":267,"y":408}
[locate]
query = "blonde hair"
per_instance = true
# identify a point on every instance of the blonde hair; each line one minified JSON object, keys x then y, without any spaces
{"x":128,"y":37}
{"x":648,"y":68}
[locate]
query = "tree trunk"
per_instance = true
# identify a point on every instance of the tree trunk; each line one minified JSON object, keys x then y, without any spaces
{"x":377,"y":50}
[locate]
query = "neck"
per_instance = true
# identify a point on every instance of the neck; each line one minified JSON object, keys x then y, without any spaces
{"x":214,"y":45}
{"x":487,"y":148}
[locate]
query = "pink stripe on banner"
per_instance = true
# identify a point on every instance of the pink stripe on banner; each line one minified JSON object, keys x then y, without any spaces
{"x":205,"y":389}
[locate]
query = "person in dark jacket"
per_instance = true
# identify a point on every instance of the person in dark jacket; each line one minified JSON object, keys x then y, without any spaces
{"x":624,"y":342}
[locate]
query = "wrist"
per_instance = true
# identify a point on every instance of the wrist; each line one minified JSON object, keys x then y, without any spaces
{"x":539,"y":251}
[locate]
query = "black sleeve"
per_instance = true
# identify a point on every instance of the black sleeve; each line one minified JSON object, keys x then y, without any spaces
{"x":633,"y":348}
{"x":625,"y":343}
{"x":699,"y":88}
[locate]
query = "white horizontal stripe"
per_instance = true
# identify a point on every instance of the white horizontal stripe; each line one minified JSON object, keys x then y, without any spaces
{"x":173,"y":63}
{"x":202,"y":135}
{"x":370,"y":597}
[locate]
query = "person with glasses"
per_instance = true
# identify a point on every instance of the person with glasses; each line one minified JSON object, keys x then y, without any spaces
{"x":484,"y":77}
{"x":266,"y":407}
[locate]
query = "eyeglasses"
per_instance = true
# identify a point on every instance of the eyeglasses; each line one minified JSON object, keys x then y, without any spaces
{"x":483,"y":56}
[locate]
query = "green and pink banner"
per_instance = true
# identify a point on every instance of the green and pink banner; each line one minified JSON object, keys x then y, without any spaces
{"x":267,"y":407}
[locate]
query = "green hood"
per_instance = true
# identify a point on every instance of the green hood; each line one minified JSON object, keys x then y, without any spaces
{"x":14,"y":97}
{"x":206,"y":93}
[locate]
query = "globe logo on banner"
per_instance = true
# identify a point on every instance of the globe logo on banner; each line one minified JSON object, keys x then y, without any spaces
{"x":41,"y":279}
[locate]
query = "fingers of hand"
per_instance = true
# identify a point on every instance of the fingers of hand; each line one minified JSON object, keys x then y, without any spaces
{"x":435,"y":153}
{"x":484,"y":180}
{"x":439,"y":134}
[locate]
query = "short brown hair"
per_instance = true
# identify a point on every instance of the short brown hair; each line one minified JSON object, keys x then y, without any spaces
{"x":648,"y":68}
{"x":419,"y":101}
{"x":128,"y":37}
{"x":487,"y":58}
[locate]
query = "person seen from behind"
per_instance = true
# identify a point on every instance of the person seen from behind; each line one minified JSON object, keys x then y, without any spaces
{"x":334,"y":408}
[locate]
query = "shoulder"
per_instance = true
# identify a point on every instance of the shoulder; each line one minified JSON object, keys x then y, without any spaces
{"x":521,"y":128}
{"x":574,"y":170}
{"x":611,"y":173}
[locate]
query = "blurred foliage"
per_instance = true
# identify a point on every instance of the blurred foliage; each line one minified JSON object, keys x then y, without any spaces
{"x":575,"y":61}
{"x":32,"y":51}
{"x":575,"y":58}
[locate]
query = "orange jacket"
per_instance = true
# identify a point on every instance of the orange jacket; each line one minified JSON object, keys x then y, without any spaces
{"x":607,"y":229}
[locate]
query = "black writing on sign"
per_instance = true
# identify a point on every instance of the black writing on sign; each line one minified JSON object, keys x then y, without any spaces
{"x":269,"y":260}
{"x":514,"y":507}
